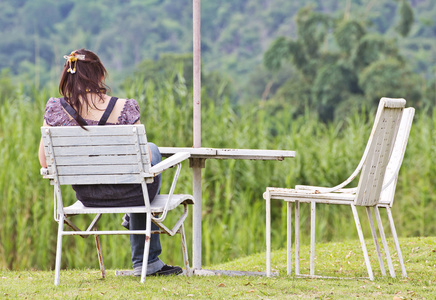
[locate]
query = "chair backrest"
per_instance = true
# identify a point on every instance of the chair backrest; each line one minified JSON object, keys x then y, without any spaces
{"x":393,"y":168}
{"x":378,"y":151}
{"x":111,"y":154}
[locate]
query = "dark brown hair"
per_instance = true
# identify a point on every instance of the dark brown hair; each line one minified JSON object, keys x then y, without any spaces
{"x":88,"y":77}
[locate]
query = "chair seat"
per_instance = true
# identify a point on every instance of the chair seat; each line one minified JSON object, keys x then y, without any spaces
{"x":156,"y":206}
{"x":309,"y":196}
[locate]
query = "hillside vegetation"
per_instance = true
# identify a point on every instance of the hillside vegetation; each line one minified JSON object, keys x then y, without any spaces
{"x":235,"y":34}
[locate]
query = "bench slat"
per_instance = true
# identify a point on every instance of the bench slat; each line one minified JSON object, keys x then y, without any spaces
{"x":94,"y":150}
{"x":95,"y":130}
{"x":100,"y":179}
{"x":96,"y":140}
{"x":98,"y":169}
{"x":97,"y":160}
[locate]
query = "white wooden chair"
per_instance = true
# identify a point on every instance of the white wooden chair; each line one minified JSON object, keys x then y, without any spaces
{"x":375,"y":189}
{"x":112,"y":154}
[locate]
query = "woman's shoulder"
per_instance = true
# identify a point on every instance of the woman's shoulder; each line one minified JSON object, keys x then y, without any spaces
{"x":53,"y":101}
{"x":128,"y":101}
{"x":54,"y":114}
{"x":130,"y":112}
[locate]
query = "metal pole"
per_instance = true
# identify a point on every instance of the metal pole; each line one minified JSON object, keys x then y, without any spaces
{"x":196,"y":166}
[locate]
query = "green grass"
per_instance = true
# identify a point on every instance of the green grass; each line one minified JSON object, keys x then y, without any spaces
{"x":335,"y":259}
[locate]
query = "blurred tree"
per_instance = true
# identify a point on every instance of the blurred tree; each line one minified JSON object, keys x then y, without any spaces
{"x":39,"y":16}
{"x":348,"y":33}
{"x":340,"y":61}
{"x":406,"y":20}
{"x":390,"y":77}
{"x":235,"y":34}
{"x":178,"y":68}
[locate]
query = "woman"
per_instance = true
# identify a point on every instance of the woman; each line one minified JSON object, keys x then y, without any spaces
{"x":85,"y":102}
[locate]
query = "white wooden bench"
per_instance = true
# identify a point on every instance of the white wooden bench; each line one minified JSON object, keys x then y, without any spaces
{"x":115,"y":154}
{"x":375,"y":188}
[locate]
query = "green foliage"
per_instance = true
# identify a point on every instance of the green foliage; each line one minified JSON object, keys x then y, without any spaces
{"x":178,"y":68}
{"x":389,"y":77}
{"x":312,"y":29}
{"x":373,"y":48}
{"x":235,"y":34}
{"x":167,"y":66}
{"x":278,"y":51}
{"x":333,"y":85}
{"x":348,"y":33}
{"x":407,"y":18}
{"x":6,"y":87}
{"x":341,"y":59}
{"x":233,"y":209}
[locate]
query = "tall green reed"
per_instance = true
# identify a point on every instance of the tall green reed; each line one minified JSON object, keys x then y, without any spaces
{"x":233,"y":207}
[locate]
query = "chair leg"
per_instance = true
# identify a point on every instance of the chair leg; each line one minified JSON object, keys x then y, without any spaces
{"x":385,"y":244}
{"x":289,"y":237}
{"x":374,"y":236}
{"x":297,"y":237}
{"x":99,"y":254}
{"x":59,"y":249}
{"x":312,"y":238}
{"x":268,"y":234}
{"x":397,"y":244}
{"x":146,"y":248}
{"x":362,"y":242}
{"x":184,"y":250}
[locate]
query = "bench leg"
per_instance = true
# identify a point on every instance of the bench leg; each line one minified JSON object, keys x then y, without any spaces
{"x":99,"y":254}
{"x":59,"y":249}
{"x":374,"y":236}
{"x":362,"y":242}
{"x":297,"y":237}
{"x":397,"y":244}
{"x":385,"y":244}
{"x":312,"y":237}
{"x":268,"y":234}
{"x":289,"y":237}
{"x":184,"y":250}
{"x":146,"y":247}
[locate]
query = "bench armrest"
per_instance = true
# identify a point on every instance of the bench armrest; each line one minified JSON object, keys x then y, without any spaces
{"x":315,"y":188}
{"x":169,"y":162}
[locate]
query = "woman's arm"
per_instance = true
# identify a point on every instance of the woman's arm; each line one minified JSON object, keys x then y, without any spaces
{"x":41,"y":154}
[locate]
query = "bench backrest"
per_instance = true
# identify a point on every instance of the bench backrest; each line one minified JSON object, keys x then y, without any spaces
{"x":378,"y":151}
{"x":111,"y":154}
{"x":393,"y":168}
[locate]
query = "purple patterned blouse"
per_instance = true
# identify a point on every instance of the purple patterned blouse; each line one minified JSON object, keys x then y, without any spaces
{"x":55,"y":115}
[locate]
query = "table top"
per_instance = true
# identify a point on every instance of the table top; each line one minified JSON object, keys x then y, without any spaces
{"x":215,"y":153}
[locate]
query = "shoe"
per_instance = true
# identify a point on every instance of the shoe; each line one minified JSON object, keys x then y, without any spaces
{"x":167,"y":270}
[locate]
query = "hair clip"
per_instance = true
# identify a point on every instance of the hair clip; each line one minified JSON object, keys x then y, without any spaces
{"x":72,"y":59}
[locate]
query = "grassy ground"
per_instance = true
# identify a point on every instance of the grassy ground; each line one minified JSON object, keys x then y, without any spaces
{"x":334,"y":259}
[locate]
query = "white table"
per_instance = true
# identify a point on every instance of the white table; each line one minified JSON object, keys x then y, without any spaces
{"x":197,"y":161}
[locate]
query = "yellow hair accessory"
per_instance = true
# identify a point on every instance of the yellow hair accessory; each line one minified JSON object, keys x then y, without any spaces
{"x":72,"y":59}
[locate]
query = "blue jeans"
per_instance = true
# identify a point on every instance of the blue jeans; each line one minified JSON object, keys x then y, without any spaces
{"x":137,"y":222}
